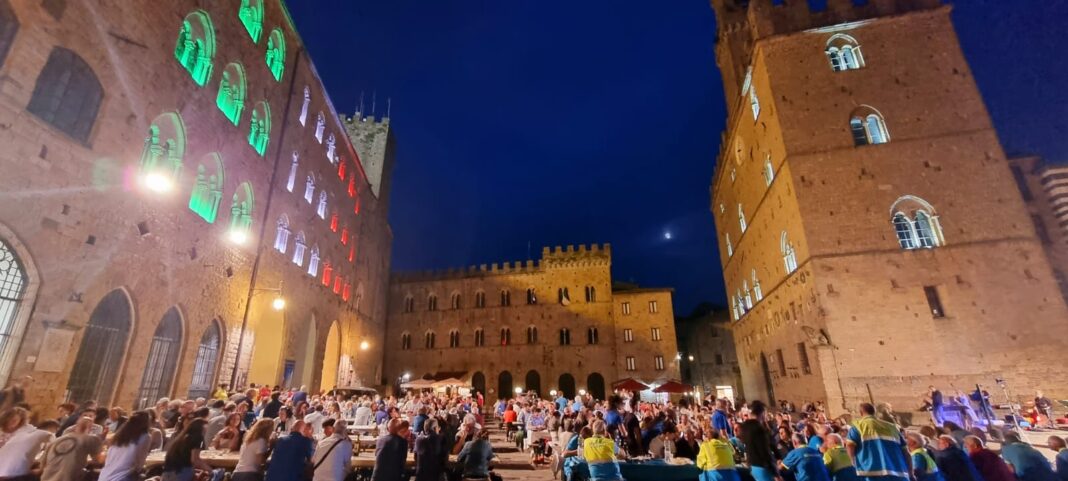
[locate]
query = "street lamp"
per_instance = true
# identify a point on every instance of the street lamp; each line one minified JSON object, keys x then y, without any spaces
{"x":690,"y":357}
{"x":582,"y":392}
{"x":364,"y":345}
{"x":406,"y":377}
{"x":238,"y":236}
{"x":518,"y":390}
{"x":279,"y":303}
{"x":552,"y":392}
{"x":157,"y":182}
{"x":678,"y":356}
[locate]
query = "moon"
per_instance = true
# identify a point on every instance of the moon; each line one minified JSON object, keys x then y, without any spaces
{"x":667,"y":235}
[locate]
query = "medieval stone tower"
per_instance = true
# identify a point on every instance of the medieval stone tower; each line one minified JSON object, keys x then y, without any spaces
{"x":872,"y":239}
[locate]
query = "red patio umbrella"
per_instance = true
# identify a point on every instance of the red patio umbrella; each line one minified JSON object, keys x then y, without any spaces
{"x":629,"y":384}
{"x":674,"y":387}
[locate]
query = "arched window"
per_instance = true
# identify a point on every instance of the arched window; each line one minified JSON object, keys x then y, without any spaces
{"x":430,"y":340}
{"x":195,"y":48}
{"x":102,"y":350}
{"x":506,"y":336}
{"x":759,"y":294}
{"x":260,"y":128}
{"x":333,"y":220}
{"x":406,"y":341}
{"x":769,"y":171}
{"x":563,"y":296}
{"x":298,"y":249}
{"x":321,"y":210}
{"x":916,"y":223}
{"x":292,"y":181}
{"x":281,"y":236}
{"x":331,"y":147}
{"x":592,"y":336}
{"x":328,"y":273}
{"x":480,"y":299}
{"x":241,"y":213}
{"x":276,"y":53}
{"x":843,"y":52}
{"x":730,"y":247}
{"x":409,"y":303}
{"x":304,"y":106}
{"x":341,"y":169}
{"x":754,"y":102}
{"x":734,"y":308}
{"x":67,"y":95}
{"x":532,"y":335}
{"x":868,"y":127}
{"x":789,"y":255}
{"x":591,"y":294}
{"x":231,"y":97}
{"x":432,"y":302}
{"x":565,"y":337}
{"x":313,"y":262}
{"x":161,"y":157}
{"x":207,"y":192}
{"x":480,"y":337}
{"x":309,"y":189}
{"x":741,"y":217}
{"x":251,"y":15}
{"x":455,"y":300}
{"x":9,"y":25}
{"x":320,"y":127}
{"x":352,"y":184}
{"x":454,"y":338}
{"x":506,"y":298}
{"x":748,"y":295}
{"x":13,"y":286}
{"x":531,"y":298}
{"x":162,"y":360}
{"x":206,"y":360}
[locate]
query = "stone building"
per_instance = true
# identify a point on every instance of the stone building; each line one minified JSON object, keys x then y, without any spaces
{"x":553,"y":325}
{"x":1044,"y":187}
{"x":168,"y":170}
{"x":872,"y":239}
{"x":707,"y":355}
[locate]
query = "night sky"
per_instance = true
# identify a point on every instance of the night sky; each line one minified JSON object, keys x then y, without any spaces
{"x":552,"y":122}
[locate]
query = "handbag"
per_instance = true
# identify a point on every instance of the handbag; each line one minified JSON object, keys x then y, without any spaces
{"x":309,"y":471}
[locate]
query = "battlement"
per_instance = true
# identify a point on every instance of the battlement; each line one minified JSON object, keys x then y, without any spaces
{"x":594,"y":254}
{"x":764,"y":18}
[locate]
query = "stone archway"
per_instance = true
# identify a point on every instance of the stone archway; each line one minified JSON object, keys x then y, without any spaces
{"x":595,"y":385}
{"x":331,"y":358}
{"x":504,"y":385}
{"x":567,"y":385}
{"x":19,"y":281}
{"x":103,"y":350}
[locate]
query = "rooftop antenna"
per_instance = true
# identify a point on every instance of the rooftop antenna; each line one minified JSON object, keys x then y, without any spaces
{"x":361,"y":106}
{"x":374,"y":102}
{"x":389,"y":105}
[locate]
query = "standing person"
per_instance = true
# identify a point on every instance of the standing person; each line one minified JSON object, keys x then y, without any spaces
{"x":805,"y":462}
{"x":878,"y":448}
{"x":715,"y":458}
{"x":332,"y":459}
{"x":429,"y":448}
{"x":923,"y":465}
{"x":291,"y":454}
{"x":129,"y":448}
{"x":938,"y":405}
{"x":601,"y":452}
{"x":987,"y":462}
{"x":391,"y":452}
{"x":476,"y":455}
{"x":254,"y":452}
{"x":270,"y":411}
{"x":183,"y":455}
{"x":1044,"y":407}
{"x":837,"y":459}
{"x":721,"y":420}
{"x":1028,"y":463}
{"x":757,"y":443}
{"x":64,"y":459}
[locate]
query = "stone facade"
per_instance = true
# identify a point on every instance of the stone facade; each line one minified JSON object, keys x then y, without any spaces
{"x":829,"y":303}
{"x":1044,"y":187}
{"x":103,"y":102}
{"x":500,"y":327}
{"x":709,"y":361}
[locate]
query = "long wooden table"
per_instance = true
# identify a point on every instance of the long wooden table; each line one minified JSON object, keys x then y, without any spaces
{"x":228,"y":460}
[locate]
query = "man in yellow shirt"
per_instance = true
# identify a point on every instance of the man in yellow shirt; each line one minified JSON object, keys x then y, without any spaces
{"x":220,"y":393}
{"x":715,"y":458}
{"x":600,"y":452}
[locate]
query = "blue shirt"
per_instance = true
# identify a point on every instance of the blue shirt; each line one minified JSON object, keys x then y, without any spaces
{"x":722,"y":423}
{"x":879,"y":449}
{"x":561,"y":403}
{"x":291,"y":454}
{"x":806,"y":464}
{"x":1062,"y":465}
{"x":1029,"y":464}
{"x":612,"y":419}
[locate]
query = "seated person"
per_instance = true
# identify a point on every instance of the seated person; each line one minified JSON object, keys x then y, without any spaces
{"x":805,"y":463}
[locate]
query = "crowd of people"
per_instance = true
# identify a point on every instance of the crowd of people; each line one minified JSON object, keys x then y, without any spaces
{"x":278,"y":435}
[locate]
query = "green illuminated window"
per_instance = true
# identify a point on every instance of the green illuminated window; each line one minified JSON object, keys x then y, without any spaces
{"x":276,"y":53}
{"x":260,"y":128}
{"x":251,"y":15}
{"x":208,"y":189}
{"x":161,"y":159}
{"x":231,"y":98}
{"x":195,"y":48}
{"x":241,"y":211}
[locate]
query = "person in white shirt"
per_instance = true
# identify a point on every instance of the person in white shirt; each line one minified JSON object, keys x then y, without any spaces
{"x":363,"y":414}
{"x":24,"y":444}
{"x":129,"y":448}
{"x":333,"y":455}
{"x":315,"y":420}
{"x":254,"y":452}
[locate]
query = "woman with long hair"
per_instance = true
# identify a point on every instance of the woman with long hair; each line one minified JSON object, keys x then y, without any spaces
{"x":184,"y":453}
{"x":129,"y":448}
{"x":11,"y":420}
{"x":229,"y":439}
{"x":254,"y":452}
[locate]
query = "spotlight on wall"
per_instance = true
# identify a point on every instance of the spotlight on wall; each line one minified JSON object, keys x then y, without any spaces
{"x":279,"y":303}
{"x":552,"y":393}
{"x":364,"y":345}
{"x":238,"y":236}
{"x":582,"y":392}
{"x":690,"y":357}
{"x":518,"y":390}
{"x":157,"y":182}
{"x":406,"y":376}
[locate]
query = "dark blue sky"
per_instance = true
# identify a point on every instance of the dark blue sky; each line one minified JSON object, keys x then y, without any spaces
{"x":557,"y":122}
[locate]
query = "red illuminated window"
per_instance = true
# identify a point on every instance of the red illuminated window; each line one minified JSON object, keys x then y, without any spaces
{"x":341,"y":169}
{"x":333,"y":222}
{"x":352,"y":185}
{"x":327,"y":271}
{"x":337,"y":285}
{"x":344,"y":235}
{"x":347,"y":292}
{"x":356,"y":209}
{"x":352,"y":253}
